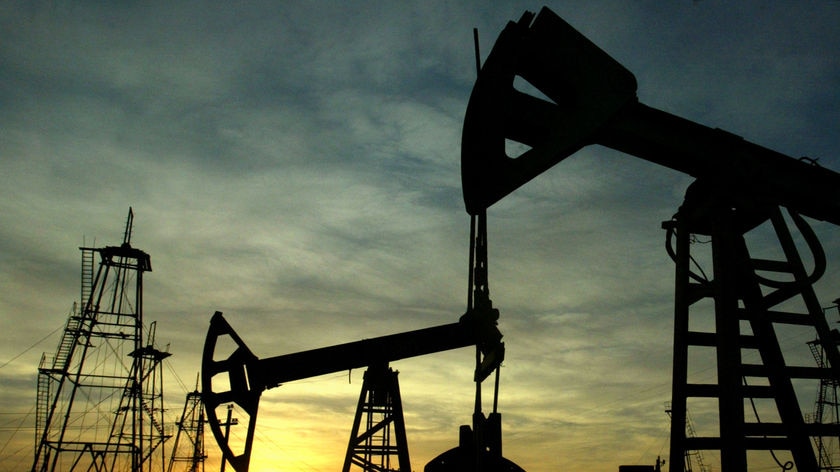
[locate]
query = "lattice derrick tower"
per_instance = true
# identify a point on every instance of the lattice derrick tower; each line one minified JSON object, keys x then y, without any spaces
{"x":188,"y":448}
{"x":99,"y":397}
{"x":827,"y":404}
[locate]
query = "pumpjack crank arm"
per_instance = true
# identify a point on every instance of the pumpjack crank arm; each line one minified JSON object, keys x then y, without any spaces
{"x":247,"y":376}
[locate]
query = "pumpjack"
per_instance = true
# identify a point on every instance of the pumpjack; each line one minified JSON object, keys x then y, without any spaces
{"x":243,"y":378}
{"x":246,"y":377}
{"x":586,"y":97}
{"x":237,"y":376}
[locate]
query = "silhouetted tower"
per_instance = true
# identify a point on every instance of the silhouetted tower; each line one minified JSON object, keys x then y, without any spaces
{"x":381,"y":446}
{"x":188,"y":450}
{"x":827,"y":406}
{"x":99,"y":399}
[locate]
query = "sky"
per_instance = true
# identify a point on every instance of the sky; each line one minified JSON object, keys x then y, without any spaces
{"x":296,"y":165}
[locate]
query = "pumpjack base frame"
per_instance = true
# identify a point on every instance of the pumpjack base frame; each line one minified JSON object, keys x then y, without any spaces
{"x":749,"y":311}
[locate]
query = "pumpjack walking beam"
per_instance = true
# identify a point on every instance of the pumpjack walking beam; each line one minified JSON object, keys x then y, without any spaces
{"x":589,"y":98}
{"x":248,"y":376}
{"x":593,"y":101}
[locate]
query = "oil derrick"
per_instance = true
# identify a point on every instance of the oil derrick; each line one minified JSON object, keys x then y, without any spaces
{"x":99,"y":397}
{"x":380,"y":406}
{"x":188,"y":449}
{"x":827,"y":406}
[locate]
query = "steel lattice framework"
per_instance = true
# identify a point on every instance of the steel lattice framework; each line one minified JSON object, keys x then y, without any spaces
{"x":99,"y":399}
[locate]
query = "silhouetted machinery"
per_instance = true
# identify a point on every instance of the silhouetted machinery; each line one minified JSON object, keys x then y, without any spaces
{"x":588,"y":98}
{"x":233,"y":374}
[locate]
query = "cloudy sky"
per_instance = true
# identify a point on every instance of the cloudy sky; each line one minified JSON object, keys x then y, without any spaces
{"x":296,"y":166}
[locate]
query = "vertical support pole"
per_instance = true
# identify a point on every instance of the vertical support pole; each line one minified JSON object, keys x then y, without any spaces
{"x":726,"y":260}
{"x":679,"y":377}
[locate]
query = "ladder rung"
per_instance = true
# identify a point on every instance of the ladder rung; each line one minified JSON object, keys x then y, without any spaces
{"x":699,"y":338}
{"x":771,"y":266}
{"x":702,"y":443}
{"x":702,"y":390}
{"x":795,"y":372}
{"x":754,"y":370}
{"x":803,"y":372}
{"x":823,"y":429}
{"x":783,"y":317}
{"x":713,"y":390}
{"x":766,"y":444}
{"x":766,"y":429}
{"x":780,"y":295}
{"x":696,"y":292}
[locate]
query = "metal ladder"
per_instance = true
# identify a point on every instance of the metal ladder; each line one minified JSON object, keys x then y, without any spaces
{"x":86,"y":279}
{"x":750,"y":310}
